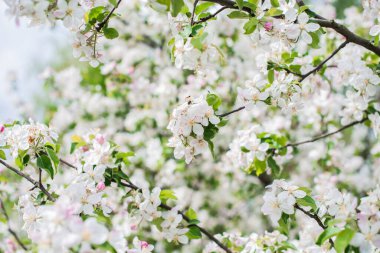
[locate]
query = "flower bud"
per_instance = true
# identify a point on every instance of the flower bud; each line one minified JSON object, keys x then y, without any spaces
{"x":101,"y":186}
{"x":268,"y":26}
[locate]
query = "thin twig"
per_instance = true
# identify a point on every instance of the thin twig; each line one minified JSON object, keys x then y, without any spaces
{"x":27,"y":177}
{"x":100,"y":26}
{"x":185,"y":217}
{"x":326,"y":135}
{"x":67,"y":164}
{"x":316,"y":218}
{"x":210,"y":16}
{"x":231,"y":112}
{"x":193,"y":14}
{"x":323,"y":22}
{"x":316,"y":69}
{"x":10,"y":230}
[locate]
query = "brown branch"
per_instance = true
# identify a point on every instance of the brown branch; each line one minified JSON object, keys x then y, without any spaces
{"x":10,"y":230}
{"x":316,"y":218}
{"x":67,"y":164}
{"x":204,"y":231}
{"x":325,"y":135}
{"x":316,"y":69}
{"x":350,"y":36}
{"x":132,"y":186}
{"x":193,"y":14}
{"x":166,"y":207}
{"x":27,"y":177}
{"x":231,"y":112}
{"x":210,"y":16}
{"x":100,"y":26}
{"x":323,"y":22}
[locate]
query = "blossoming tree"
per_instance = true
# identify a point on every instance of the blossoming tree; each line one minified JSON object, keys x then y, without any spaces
{"x":199,"y":126}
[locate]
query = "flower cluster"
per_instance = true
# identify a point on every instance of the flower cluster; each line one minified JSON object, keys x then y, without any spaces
{"x":188,"y":124}
{"x":281,"y":198}
{"x":372,"y":10}
{"x":29,"y":138}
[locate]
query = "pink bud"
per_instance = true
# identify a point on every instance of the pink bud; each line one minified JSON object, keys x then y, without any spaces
{"x":101,"y":186}
{"x":134,"y":227}
{"x":85,"y":148}
{"x":268,"y":26}
{"x":2,"y":128}
{"x":100,"y":139}
{"x":131,"y":70}
{"x":144,"y":245}
{"x":12,"y":245}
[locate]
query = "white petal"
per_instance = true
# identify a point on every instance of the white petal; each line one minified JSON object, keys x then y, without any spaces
{"x":198,"y":129}
{"x":375,"y":30}
{"x":312,"y":27}
{"x":303,"y":18}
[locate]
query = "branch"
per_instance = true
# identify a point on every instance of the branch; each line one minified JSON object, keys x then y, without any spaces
{"x":166,"y":207}
{"x":323,"y":22}
{"x":350,"y":36}
{"x":105,"y":21}
{"x":27,"y":177}
{"x":204,"y":231}
{"x":130,"y":185}
{"x":193,"y":14}
{"x":316,"y":69}
{"x":316,"y":218}
{"x":326,"y":135}
{"x":10,"y":230}
{"x":231,"y":112}
{"x":210,"y":16}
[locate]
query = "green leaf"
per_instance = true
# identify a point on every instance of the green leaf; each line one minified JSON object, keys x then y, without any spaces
{"x":191,"y":214}
{"x":44,"y":163}
{"x":176,"y":7}
{"x":194,"y":232}
{"x":260,"y":166}
{"x":343,"y":239}
{"x":273,"y":165}
{"x":2,"y":155}
{"x":213,"y":100}
{"x":202,"y":7}
{"x":250,"y":26}
{"x":240,"y":4}
{"x":315,"y":40}
{"x":303,"y":8}
{"x":110,"y":33}
{"x":271,"y":76}
{"x":238,"y":15}
{"x":274,"y":12}
{"x":284,"y":224}
{"x":307,"y":201}
{"x":295,"y":68}
{"x":166,"y":195}
{"x":327,"y":234}
{"x":275,"y":3}
{"x":54,"y":158}
{"x":94,"y":13}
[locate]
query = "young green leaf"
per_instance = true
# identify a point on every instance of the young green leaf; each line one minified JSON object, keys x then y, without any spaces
{"x":343,"y":239}
{"x":176,"y":7}
{"x":110,"y":33}
{"x":327,"y":234}
{"x":250,"y":26}
{"x":240,"y":4}
{"x":44,"y":163}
